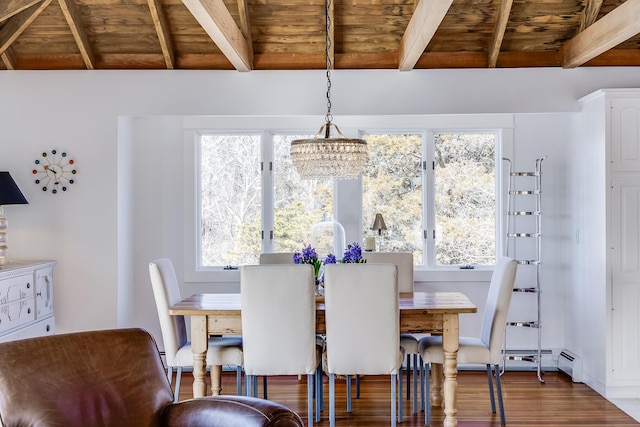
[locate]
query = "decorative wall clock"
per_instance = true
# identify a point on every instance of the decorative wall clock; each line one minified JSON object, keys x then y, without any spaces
{"x":54,"y":171}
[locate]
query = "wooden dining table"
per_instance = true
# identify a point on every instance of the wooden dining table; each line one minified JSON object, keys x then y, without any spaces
{"x":420,"y":313}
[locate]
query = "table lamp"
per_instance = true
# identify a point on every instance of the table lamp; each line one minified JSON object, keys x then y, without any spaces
{"x":9,"y":195}
{"x":380,"y":226}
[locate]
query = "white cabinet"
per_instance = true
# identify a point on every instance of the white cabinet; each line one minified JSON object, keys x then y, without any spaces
{"x":26,"y":300}
{"x":625,"y":135}
{"x":607,"y":289}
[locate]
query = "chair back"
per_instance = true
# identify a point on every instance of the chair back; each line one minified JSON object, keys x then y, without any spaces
{"x":362,"y":319}
{"x":277,"y":258}
{"x":404,"y":261}
{"x":497,"y":306}
{"x":166,"y":292}
{"x":83,"y":379}
{"x":278,"y":319}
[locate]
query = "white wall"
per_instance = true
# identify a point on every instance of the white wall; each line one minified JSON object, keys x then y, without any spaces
{"x":124,"y":130}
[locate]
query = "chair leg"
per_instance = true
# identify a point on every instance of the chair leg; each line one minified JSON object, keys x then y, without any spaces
{"x":310,"y":399}
{"x":499,"y":387}
{"x":332,"y":400}
{"x":264,"y":387}
{"x":490,"y":382}
{"x":176,"y":393}
{"x":394,"y":402}
{"x":349,"y":393}
{"x":427,"y":395}
{"x":357,"y":386}
{"x":415,"y":383}
{"x":239,"y":380}
{"x":318,"y":393}
{"x":421,"y":364}
{"x":400,"y":402}
{"x":170,"y":374}
{"x":408,"y":379}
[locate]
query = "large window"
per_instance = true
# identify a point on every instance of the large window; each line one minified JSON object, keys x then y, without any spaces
{"x":464,"y":198}
{"x":230,"y":202}
{"x":453,"y":222}
{"x":436,"y":190}
{"x":252,"y":199}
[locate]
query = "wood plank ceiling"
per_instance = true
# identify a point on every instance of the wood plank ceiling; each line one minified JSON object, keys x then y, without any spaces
{"x":290,"y":34}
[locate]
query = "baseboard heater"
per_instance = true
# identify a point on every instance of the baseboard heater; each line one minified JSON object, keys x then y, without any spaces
{"x":570,"y":364}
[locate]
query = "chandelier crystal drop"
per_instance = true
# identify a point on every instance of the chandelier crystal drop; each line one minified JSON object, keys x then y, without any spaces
{"x":322,"y":156}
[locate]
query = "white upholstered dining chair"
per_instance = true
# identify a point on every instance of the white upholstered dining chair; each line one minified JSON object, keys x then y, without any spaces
{"x":404,"y":262}
{"x":362,"y":323}
{"x":276,"y":258}
{"x":279,"y":325}
{"x":487,"y":349}
{"x":177,"y":348}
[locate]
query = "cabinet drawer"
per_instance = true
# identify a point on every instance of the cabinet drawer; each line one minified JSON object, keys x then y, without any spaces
{"x":16,"y":314}
{"x":44,"y":292}
{"x":16,"y":288}
{"x":38,"y":329}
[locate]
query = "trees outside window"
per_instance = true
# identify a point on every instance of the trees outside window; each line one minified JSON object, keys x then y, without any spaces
{"x":436,"y":191}
{"x":465,"y":198}
{"x":455,"y":218}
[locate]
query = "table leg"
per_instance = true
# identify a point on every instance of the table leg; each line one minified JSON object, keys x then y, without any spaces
{"x":450,"y":343}
{"x":199,"y":345}
{"x":216,"y":380}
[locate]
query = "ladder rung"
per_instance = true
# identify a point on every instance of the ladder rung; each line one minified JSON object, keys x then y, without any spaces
{"x":532,"y":359}
{"x":524,"y":192}
{"x":525,"y":213}
{"x":523,"y":324}
{"x":531,"y":290}
{"x":529,"y":262}
{"x":524,"y":235}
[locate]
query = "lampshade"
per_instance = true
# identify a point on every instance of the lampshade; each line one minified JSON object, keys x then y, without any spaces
{"x":10,"y":194}
{"x":378,"y":223}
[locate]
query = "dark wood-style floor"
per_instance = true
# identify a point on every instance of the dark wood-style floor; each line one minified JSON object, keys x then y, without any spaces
{"x":558,"y":402}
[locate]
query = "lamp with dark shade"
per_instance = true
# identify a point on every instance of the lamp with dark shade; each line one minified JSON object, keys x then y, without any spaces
{"x":380,"y":226}
{"x":10,"y":194}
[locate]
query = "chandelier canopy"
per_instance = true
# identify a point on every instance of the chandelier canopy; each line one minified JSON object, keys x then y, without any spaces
{"x":323,"y":156}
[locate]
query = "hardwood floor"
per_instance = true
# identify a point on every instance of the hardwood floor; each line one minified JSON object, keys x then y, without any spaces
{"x":558,"y":402}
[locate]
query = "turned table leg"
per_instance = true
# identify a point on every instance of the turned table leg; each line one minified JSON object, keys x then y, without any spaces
{"x":199,"y":345}
{"x":450,"y":343}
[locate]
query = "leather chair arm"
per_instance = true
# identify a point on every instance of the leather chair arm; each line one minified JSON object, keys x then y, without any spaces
{"x":229,"y":411}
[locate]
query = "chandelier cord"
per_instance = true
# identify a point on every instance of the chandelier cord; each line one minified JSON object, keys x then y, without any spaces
{"x":328,"y":117}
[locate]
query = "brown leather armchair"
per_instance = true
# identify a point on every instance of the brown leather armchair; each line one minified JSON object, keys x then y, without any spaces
{"x":111,"y":378}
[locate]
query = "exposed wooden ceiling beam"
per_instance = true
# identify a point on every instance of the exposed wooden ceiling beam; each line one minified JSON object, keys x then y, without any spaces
{"x":8,"y":8}
{"x":162,"y":29}
{"x":498,"y":32}
{"x":245,"y":26}
{"x":9,"y":59}
{"x":18,"y":23}
{"x":612,"y":29}
{"x":589,"y":14}
{"x":77,"y":29}
{"x":214,"y":17}
{"x":422,"y":26}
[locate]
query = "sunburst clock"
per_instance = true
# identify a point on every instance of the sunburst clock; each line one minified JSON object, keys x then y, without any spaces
{"x":55,"y":171}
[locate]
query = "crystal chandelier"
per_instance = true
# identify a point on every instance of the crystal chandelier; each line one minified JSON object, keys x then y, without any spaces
{"x":323,"y":156}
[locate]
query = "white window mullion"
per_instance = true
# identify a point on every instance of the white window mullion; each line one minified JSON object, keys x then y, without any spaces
{"x":267,"y":192}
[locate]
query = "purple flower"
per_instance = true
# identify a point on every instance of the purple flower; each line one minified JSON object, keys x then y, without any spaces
{"x":353,"y":254}
{"x":308,"y":256}
{"x":331,"y":259}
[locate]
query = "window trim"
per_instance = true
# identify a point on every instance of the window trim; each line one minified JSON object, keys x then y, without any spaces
{"x":350,"y":125}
